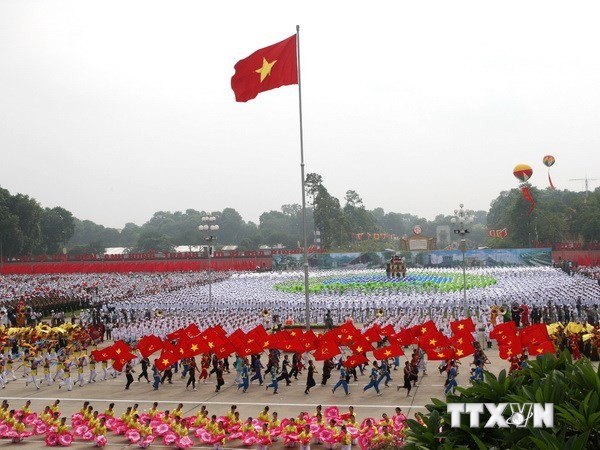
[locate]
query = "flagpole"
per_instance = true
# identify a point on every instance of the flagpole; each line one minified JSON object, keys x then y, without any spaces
{"x":307,"y":299}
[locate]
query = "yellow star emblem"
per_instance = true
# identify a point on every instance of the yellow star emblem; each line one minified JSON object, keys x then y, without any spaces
{"x":459,"y":340}
{"x":165,"y":362}
{"x":441,"y":355}
{"x":359,"y":349}
{"x":194,"y":347}
{"x":539,"y":350}
{"x":459,"y":352}
{"x":181,"y":351}
{"x":461,"y":327}
{"x":118,"y":351}
{"x":293,"y":333}
{"x":423,"y":330}
{"x":211,"y":345}
{"x":388,"y":353}
{"x":266,"y":344}
{"x":349,"y":337}
{"x":509,"y":352}
{"x":265,"y":69}
{"x":432,"y":342}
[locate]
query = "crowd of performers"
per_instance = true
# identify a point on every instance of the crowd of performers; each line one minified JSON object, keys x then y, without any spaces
{"x":328,"y":427}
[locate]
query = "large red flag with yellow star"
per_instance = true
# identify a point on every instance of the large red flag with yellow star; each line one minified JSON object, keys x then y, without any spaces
{"x":265,"y":69}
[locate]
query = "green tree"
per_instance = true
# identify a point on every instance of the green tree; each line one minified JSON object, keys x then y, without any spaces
{"x":57,"y":228}
{"x":28,"y":213}
{"x":152,"y":240}
{"x":573,"y":388}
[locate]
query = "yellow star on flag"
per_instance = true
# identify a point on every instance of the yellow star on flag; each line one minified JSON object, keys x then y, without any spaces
{"x":441,"y":355}
{"x":388,"y":353}
{"x":432,"y":342}
{"x":194,"y":347}
{"x":211,"y":345}
{"x":165,"y":362}
{"x":461,"y":326}
{"x":509,"y":352}
{"x":539,"y":350}
{"x":265,"y":344}
{"x":118,"y":351}
{"x":459,"y":352}
{"x":265,"y":69}
{"x":359,"y":349}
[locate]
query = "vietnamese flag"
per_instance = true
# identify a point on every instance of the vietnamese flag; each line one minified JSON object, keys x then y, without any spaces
{"x":461,"y":339}
{"x":428,"y":327}
{"x":541,"y":348}
{"x":265,"y":69}
{"x":460,"y":326}
{"x":440,"y":355}
{"x":166,"y":360}
{"x":355,"y":360}
{"x":390,"y":351}
{"x":433,"y":340}
{"x":346,"y":333}
{"x":464,"y":349}
{"x":361,"y":346}
{"x":371,"y":335}
{"x":511,"y":347}
{"x":149,"y":344}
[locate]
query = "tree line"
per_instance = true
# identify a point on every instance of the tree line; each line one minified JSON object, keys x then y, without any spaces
{"x":27,"y":228}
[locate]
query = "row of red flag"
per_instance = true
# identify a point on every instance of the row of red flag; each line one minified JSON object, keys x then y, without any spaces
{"x":191,"y":341}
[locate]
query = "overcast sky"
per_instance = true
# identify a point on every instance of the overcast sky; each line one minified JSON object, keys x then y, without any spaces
{"x":117,"y":109}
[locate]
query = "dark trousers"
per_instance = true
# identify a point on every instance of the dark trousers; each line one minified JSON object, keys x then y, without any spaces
{"x":168,"y":375}
{"x":129,"y":380}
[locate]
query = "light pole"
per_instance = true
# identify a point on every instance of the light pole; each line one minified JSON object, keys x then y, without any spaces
{"x":461,"y":219}
{"x":209,"y":227}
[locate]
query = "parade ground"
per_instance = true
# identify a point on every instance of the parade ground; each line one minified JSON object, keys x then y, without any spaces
{"x":289,"y":402}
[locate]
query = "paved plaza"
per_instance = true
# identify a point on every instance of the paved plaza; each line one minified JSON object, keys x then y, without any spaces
{"x":289,"y":402}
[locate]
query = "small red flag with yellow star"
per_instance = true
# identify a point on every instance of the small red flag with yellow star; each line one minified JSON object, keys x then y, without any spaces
{"x":265,"y":69}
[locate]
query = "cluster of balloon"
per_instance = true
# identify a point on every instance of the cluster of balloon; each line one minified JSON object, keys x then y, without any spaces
{"x":549,"y":161}
{"x":523,"y":173}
